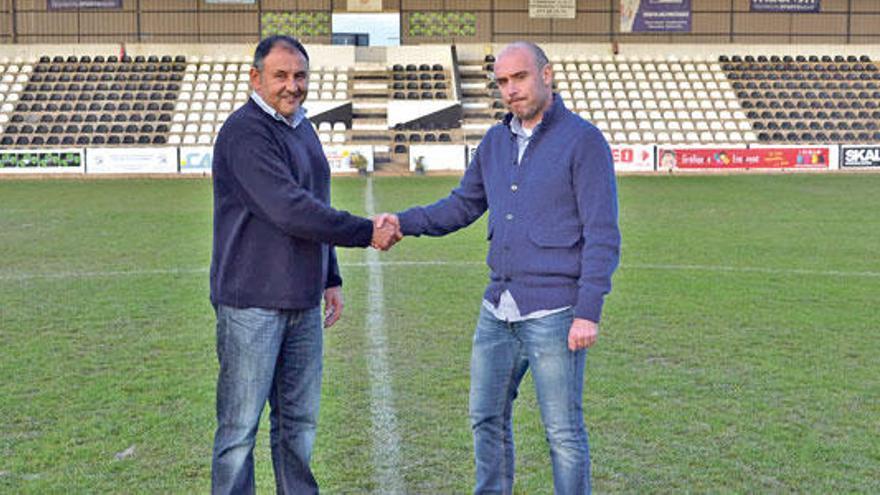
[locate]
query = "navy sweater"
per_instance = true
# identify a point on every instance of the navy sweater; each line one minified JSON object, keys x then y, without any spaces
{"x":553,"y":232}
{"x":273,"y":226}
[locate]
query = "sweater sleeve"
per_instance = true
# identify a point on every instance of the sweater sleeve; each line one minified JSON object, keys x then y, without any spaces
{"x":596,"y":193}
{"x":465,"y":204}
{"x":334,"y":278}
{"x":265,"y":184}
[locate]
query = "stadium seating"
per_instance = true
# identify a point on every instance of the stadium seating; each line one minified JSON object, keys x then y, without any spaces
{"x":638,"y":101}
{"x":375,"y":86}
{"x":210,"y":91}
{"x":131,"y":100}
{"x":14,"y":77}
{"x":178,"y":100}
{"x":792,"y":100}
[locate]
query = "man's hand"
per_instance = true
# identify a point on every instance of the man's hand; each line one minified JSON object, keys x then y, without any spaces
{"x":582,"y":334}
{"x":332,"y":306}
{"x":386,"y":231}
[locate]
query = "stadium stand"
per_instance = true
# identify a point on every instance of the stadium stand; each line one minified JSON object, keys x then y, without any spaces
{"x":400,"y":102}
{"x":210,"y":90}
{"x":808,"y":99}
{"x":90,"y":100}
{"x":633,"y":100}
{"x":642,"y":97}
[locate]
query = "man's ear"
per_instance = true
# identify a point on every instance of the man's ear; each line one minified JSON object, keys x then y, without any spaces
{"x":255,"y":78}
{"x":547,"y":73}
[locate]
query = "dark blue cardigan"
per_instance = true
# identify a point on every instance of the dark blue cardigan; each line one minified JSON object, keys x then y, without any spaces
{"x":553,"y":232}
{"x":273,"y":226}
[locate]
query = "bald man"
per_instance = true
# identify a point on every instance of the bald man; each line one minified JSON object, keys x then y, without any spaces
{"x":546,"y":177}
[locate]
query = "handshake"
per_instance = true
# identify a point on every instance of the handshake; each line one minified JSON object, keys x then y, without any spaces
{"x":386,"y":231}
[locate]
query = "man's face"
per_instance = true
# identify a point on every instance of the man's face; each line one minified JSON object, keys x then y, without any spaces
{"x":525,"y":88}
{"x":283,"y":82}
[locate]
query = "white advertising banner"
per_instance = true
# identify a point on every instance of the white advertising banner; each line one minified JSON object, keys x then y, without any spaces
{"x":633,"y":157}
{"x":552,"y":9}
{"x":46,"y":161}
{"x":343,"y":159}
{"x":131,"y":160}
{"x":427,"y":157}
{"x":196,"y":159}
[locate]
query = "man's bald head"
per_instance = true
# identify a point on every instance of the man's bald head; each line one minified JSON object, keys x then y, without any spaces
{"x":537,"y":54}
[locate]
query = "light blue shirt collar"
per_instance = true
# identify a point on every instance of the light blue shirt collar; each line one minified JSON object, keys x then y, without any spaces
{"x":522,"y":134}
{"x":294,"y":121}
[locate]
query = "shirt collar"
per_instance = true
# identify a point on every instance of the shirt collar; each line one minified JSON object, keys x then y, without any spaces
{"x":517,"y":128}
{"x":294,"y":121}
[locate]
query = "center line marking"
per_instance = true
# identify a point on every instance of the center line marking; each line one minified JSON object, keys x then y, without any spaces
{"x":386,"y":438}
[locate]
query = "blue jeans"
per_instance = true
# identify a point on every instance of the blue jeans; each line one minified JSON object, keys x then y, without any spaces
{"x":265,"y":355}
{"x":502,"y":352}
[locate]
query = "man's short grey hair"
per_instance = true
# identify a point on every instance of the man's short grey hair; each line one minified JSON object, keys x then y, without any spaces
{"x":537,"y":52}
{"x":266,"y":45}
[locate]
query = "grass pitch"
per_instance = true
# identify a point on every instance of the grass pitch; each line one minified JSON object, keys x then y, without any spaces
{"x":739,"y":350}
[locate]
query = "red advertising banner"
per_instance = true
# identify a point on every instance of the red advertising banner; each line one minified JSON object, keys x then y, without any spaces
{"x":817,"y":157}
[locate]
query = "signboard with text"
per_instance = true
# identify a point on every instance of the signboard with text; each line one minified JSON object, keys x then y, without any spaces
{"x":552,"y":9}
{"x":349,"y":158}
{"x":859,"y":157}
{"x":131,"y":160}
{"x":655,"y":16}
{"x":784,"y":5}
{"x":633,"y":157}
{"x":84,"y":4}
{"x":712,"y":158}
{"x":196,"y":159}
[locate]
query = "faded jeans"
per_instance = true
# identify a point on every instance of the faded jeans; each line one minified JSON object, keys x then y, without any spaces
{"x":272,"y":355}
{"x":502,"y":353}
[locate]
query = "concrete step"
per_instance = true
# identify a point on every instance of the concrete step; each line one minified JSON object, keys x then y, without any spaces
{"x":370,"y":104}
{"x":360,"y":86}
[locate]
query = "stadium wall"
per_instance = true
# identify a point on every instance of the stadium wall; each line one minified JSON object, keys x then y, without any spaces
{"x":196,"y":21}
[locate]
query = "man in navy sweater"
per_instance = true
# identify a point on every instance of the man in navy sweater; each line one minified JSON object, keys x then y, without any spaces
{"x":547,"y":178}
{"x":273,"y":259}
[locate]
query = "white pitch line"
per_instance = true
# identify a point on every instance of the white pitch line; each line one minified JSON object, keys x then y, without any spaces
{"x":385,"y":433}
{"x":753,"y":269}
{"x":99,"y":274}
{"x":372,"y":260}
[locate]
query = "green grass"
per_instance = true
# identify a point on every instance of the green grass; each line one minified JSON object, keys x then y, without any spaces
{"x":739,"y":350}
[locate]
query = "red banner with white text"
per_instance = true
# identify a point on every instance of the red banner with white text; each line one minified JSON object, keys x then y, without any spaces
{"x":807,"y":157}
